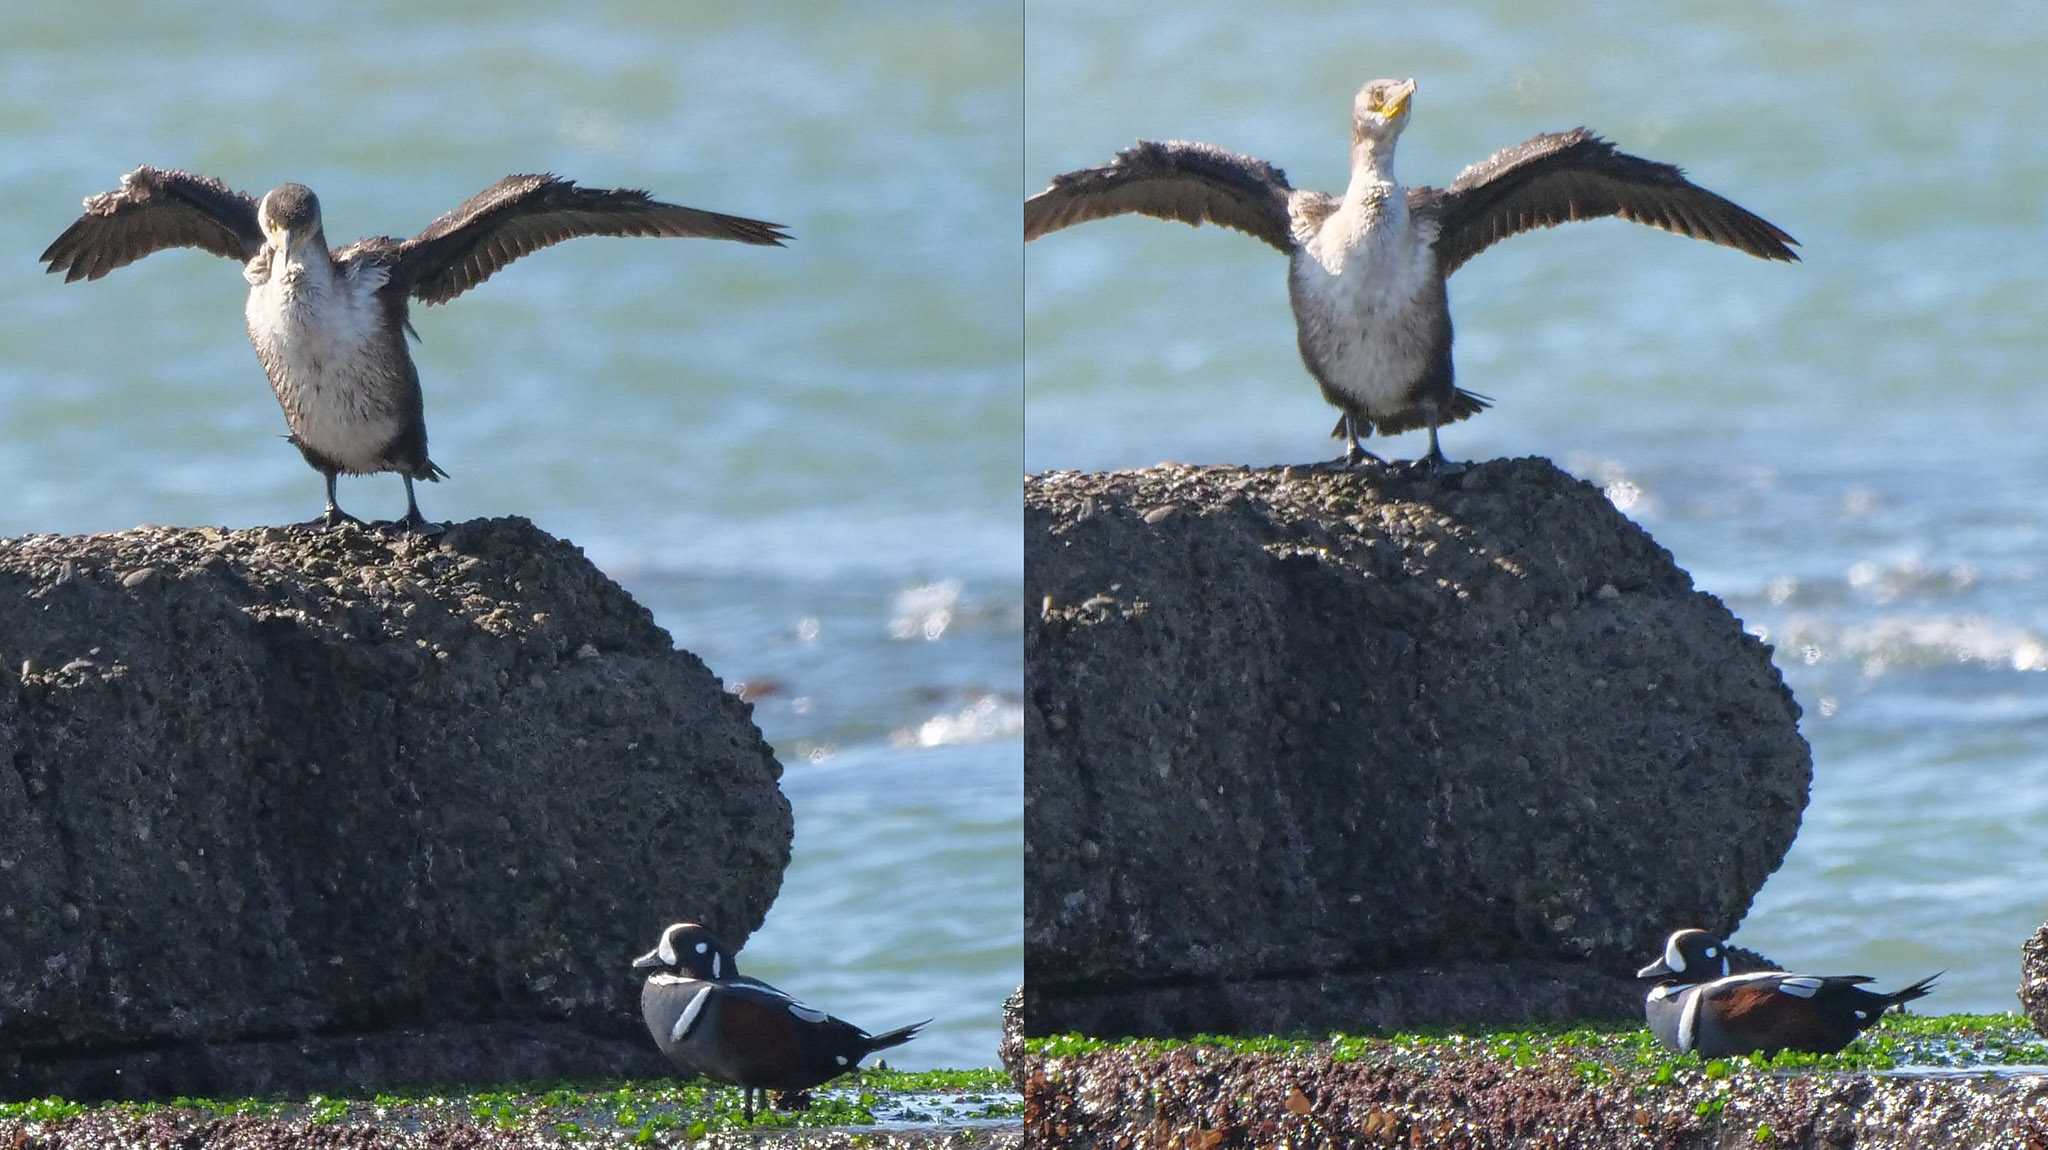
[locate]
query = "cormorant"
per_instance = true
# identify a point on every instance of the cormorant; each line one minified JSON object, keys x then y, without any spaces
{"x":330,"y":326}
{"x":1367,"y":269}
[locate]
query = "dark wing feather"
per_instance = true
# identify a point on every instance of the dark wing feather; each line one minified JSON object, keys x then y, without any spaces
{"x":1758,"y":1012}
{"x":1177,"y":180}
{"x":520,"y":215}
{"x":155,"y":209}
{"x":1576,"y":175}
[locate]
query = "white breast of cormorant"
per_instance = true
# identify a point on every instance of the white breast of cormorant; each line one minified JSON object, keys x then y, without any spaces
{"x":320,"y":334}
{"x":1365,"y":289}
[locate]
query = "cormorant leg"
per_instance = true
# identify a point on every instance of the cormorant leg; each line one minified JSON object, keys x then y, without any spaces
{"x":334,"y":516}
{"x":1435,"y":463}
{"x":747,"y":1102}
{"x":1354,"y":452}
{"x":414,"y":521}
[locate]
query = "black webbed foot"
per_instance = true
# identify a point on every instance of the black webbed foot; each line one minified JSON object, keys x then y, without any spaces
{"x":413,"y":524}
{"x":328,"y":520}
{"x":1349,"y":429}
{"x":1435,"y":466}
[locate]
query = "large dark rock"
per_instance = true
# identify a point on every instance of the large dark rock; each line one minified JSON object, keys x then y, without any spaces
{"x":1313,"y":749}
{"x":2034,"y":978}
{"x":291,"y":811}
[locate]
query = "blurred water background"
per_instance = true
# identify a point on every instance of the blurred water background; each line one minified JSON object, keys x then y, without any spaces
{"x":1848,"y":451}
{"x":803,"y":461}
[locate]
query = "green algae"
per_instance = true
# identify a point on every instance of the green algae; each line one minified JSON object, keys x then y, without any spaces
{"x":642,"y":1112}
{"x":1596,"y":1052}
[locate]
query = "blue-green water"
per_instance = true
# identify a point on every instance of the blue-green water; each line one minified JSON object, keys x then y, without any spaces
{"x":804,"y":461}
{"x":1847,"y":450}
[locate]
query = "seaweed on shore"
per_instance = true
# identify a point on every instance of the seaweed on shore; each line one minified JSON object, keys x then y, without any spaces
{"x":1962,"y":1079}
{"x":936,"y":1107}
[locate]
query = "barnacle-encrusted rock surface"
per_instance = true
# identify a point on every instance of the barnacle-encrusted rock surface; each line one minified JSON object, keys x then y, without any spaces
{"x":1123,"y":1099}
{"x":1010,"y":1048}
{"x":100,"y":1129}
{"x":2034,"y":978}
{"x":285,"y":810}
{"x":1311,"y":749}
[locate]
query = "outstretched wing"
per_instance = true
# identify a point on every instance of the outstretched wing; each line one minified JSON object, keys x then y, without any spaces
{"x":1576,"y":175}
{"x":154,"y":209}
{"x":520,"y":215}
{"x":1177,"y":180}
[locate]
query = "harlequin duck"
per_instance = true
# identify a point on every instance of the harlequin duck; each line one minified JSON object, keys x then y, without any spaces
{"x":687,"y":949}
{"x":712,"y":1021}
{"x":1701,"y":1003}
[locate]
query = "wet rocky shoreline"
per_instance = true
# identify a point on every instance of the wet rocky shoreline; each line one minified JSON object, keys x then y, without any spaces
{"x":878,"y":1108}
{"x":1127,"y":1099}
{"x":167,"y":1130}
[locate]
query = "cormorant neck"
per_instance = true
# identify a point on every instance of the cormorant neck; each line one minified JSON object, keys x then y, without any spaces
{"x":307,"y":268}
{"x":1372,"y":167}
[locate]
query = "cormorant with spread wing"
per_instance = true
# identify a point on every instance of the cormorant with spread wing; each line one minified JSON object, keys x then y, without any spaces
{"x":1367,"y":270}
{"x":330,"y":326}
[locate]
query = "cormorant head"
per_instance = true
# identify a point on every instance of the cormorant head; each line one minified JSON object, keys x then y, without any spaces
{"x":289,"y":215}
{"x":1380,"y":111}
{"x":689,"y":949}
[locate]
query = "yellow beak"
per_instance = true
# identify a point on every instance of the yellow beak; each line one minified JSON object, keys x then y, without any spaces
{"x":1398,"y":106}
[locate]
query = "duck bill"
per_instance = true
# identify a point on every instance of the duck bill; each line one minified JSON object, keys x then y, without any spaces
{"x":1656,"y":969}
{"x":649,"y":961}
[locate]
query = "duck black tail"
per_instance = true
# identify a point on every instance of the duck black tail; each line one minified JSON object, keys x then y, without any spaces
{"x":1919,"y":989}
{"x":896,"y":1037}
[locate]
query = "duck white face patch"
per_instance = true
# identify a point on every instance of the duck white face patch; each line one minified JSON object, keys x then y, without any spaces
{"x":688,"y":1017}
{"x":840,"y":1059}
{"x":702,"y":947}
{"x":808,"y":1014}
{"x":666,"y":952}
{"x":1801,"y":987}
{"x":1673,"y":958}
